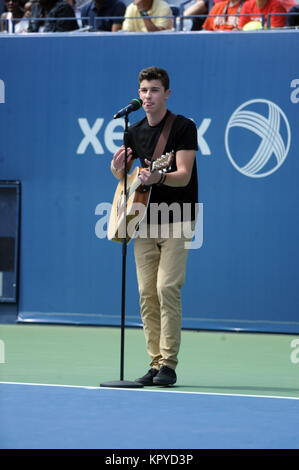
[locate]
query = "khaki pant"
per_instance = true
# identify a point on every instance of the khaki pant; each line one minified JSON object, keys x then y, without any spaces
{"x":161,"y":268}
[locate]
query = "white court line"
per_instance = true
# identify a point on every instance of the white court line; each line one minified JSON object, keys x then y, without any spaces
{"x":87,"y":387}
{"x":50,"y":385}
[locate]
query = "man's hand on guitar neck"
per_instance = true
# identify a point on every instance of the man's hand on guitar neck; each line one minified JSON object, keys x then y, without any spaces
{"x":118,"y":162}
{"x":147,"y":177}
{"x":179,"y":178}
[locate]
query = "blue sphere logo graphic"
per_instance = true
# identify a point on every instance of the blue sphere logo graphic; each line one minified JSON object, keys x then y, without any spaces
{"x":263,"y":123}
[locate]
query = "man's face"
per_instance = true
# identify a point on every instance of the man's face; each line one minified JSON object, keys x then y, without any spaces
{"x":11,"y":5}
{"x":153,"y":95}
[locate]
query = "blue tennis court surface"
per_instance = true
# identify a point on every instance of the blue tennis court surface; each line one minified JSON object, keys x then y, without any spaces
{"x":66,"y":417}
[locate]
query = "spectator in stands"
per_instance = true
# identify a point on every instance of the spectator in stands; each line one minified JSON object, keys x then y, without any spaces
{"x":293,"y":20}
{"x":201,"y":7}
{"x":14,"y":9}
{"x":256,"y":8}
{"x":138,"y":15}
{"x":108,"y":8}
{"x":224,"y":23}
{"x":288,"y":4}
{"x":56,"y":9}
{"x":27,"y":7}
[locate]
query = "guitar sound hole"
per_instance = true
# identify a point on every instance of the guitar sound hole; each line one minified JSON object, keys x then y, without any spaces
{"x":144,"y":189}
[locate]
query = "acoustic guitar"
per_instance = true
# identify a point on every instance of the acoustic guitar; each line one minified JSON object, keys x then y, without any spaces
{"x":137,"y":200}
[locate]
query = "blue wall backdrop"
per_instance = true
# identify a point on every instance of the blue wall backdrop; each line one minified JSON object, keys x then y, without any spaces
{"x":58,"y":95}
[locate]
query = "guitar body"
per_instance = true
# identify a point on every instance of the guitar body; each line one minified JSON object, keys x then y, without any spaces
{"x":137,"y":202}
{"x":138,"y":197}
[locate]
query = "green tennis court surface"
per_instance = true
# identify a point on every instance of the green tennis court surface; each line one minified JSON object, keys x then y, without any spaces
{"x":214,"y":362}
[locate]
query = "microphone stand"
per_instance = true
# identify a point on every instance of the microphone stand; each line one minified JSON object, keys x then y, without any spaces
{"x":123,"y":383}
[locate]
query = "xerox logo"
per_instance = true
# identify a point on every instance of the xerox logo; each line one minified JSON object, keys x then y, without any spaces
{"x":257,"y":138}
{"x":98,"y":135}
{"x":2,"y":91}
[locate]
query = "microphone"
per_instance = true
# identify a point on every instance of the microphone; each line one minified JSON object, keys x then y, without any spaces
{"x":135,"y":104}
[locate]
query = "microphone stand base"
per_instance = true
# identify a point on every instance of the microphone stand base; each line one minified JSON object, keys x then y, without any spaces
{"x":121,"y":384}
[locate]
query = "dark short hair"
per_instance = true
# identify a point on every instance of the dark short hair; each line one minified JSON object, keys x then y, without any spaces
{"x":154,"y":73}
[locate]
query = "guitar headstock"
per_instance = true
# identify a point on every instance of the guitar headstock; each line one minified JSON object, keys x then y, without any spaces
{"x":163,"y":162}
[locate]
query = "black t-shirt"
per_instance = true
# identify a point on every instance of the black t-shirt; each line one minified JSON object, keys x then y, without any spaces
{"x":143,"y":138}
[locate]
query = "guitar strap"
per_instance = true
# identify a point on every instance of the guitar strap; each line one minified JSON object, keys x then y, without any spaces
{"x":160,"y":147}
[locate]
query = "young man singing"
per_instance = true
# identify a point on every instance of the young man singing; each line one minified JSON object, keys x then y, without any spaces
{"x":161,"y":260}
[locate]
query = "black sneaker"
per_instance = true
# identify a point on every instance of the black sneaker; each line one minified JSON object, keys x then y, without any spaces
{"x":147,"y":379}
{"x":165,"y":376}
